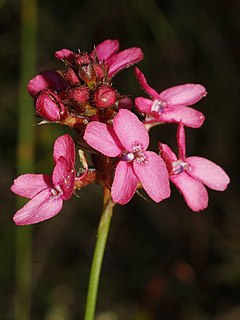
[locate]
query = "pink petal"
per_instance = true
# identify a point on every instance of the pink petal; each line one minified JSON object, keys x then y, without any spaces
{"x":192,"y":190}
{"x":124,"y":183}
{"x":130,"y":130}
{"x":65,"y":54}
{"x":106,"y":49}
{"x":63,"y":178}
{"x":154,"y":176}
{"x":46,"y":80}
{"x":183,"y":95}
{"x":124,"y":59}
{"x":143,"y":83}
{"x":29,"y":185}
{"x":188,"y":116}
{"x":64,"y":147}
{"x":42,"y":207}
{"x":181,"y":141}
{"x":144,"y":105}
{"x":103,"y":138}
{"x":209,"y":173}
{"x":167,"y":155}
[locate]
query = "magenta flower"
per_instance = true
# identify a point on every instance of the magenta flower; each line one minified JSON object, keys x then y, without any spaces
{"x":47,"y":193}
{"x":128,"y":140}
{"x":171,"y":105}
{"x":108,"y":52}
{"x":190,"y":174}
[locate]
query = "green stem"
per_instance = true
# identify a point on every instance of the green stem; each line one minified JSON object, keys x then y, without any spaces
{"x":25,"y":156}
{"x":103,"y":230}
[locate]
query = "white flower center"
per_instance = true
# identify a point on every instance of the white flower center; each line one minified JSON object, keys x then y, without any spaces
{"x":56,"y":192}
{"x":136,"y":154}
{"x":158,"y":106}
{"x":179,"y":166}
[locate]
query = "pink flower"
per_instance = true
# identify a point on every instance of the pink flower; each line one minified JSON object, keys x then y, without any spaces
{"x":171,"y":105}
{"x":47,"y":192}
{"x":128,"y":140}
{"x":190,"y":174}
{"x":108,"y":52}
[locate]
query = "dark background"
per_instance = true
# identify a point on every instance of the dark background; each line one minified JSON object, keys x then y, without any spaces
{"x":162,"y":260}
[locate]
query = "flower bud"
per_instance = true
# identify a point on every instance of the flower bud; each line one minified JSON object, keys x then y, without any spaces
{"x":88,"y":75}
{"x":83,"y":59}
{"x":65,"y":55}
{"x":105,"y":96}
{"x":71,"y":77}
{"x":76,"y":97}
{"x":44,"y":81}
{"x":49,"y":106}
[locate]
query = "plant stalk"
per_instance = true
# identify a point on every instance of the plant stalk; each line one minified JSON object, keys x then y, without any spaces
{"x":103,"y":230}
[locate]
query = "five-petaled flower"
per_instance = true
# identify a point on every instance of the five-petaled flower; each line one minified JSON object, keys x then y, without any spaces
{"x":47,"y":193}
{"x":171,"y":105}
{"x":190,"y":174}
{"x":128,"y":140}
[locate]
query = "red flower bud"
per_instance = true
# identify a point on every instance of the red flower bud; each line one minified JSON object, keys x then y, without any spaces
{"x":83,"y":59}
{"x":88,"y":75}
{"x":71,"y":77}
{"x":49,"y":106}
{"x":105,"y":96}
{"x":76,"y":97}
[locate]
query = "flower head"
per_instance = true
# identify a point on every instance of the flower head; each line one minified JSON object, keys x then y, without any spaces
{"x":47,"y":193}
{"x":192,"y":174}
{"x":128,"y":140}
{"x":171,"y":105}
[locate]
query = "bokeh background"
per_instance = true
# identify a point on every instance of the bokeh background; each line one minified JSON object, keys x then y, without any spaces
{"x":162,"y":260}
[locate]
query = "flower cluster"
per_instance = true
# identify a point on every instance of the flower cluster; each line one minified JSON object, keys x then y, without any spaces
{"x":114,"y":129}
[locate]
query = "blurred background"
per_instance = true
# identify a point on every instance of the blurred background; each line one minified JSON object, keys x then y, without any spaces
{"x":162,"y":261}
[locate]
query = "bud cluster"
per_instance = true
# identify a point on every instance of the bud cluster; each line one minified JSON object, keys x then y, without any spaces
{"x":82,"y":91}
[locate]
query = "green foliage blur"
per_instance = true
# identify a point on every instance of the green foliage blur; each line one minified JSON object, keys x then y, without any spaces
{"x":162,"y":260}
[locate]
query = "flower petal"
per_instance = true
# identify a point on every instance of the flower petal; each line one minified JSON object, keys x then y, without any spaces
{"x":46,"y":80}
{"x":209,"y":173}
{"x":130,"y":130}
{"x":154,"y":176}
{"x":123,"y":59}
{"x":63,"y":177}
{"x":103,"y":138}
{"x":42,"y":207}
{"x":188,"y":116}
{"x":29,"y":185}
{"x":106,"y":49}
{"x":193,"y":191}
{"x":167,"y":155}
{"x":143,"y":83}
{"x":64,"y":147}
{"x":144,"y":105}
{"x":183,"y":95}
{"x":124,"y":183}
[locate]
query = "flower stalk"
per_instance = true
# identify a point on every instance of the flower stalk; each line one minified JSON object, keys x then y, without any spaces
{"x":103,"y":230}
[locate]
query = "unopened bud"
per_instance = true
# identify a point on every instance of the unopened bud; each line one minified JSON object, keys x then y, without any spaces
{"x":88,"y":75}
{"x":65,"y":55}
{"x":49,"y":106}
{"x":71,"y":77}
{"x":83,"y":59}
{"x":76,"y":97}
{"x":105,"y":96}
